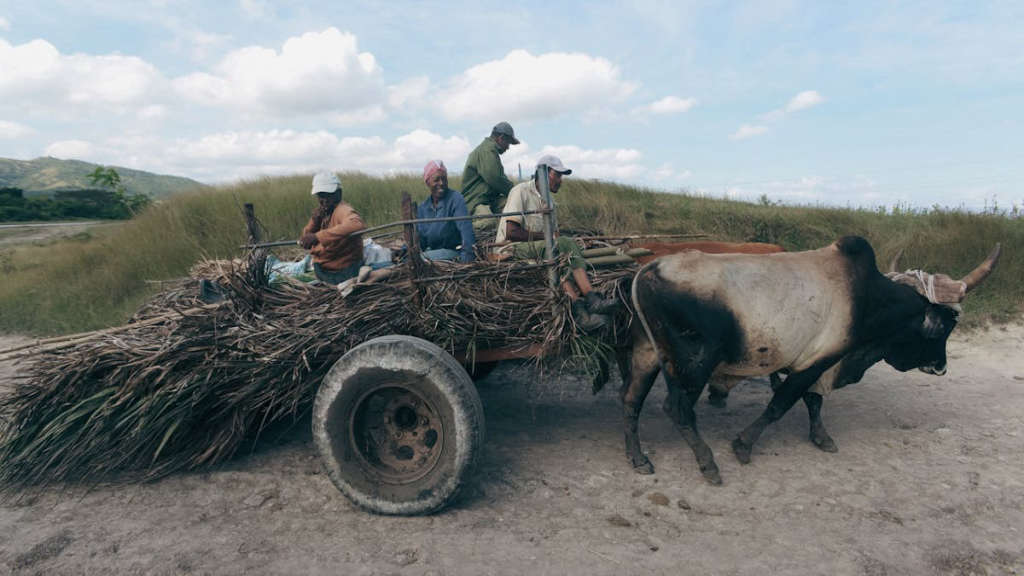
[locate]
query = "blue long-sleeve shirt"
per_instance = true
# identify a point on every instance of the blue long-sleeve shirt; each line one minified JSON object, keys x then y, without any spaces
{"x":435,"y":235}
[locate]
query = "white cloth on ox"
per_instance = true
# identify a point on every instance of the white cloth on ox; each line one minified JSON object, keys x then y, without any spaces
{"x":937,"y":288}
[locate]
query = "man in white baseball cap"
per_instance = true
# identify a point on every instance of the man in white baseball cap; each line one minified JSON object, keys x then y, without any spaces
{"x":523,"y":236}
{"x":337,"y":254}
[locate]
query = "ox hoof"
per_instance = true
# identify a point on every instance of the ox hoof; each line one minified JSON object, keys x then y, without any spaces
{"x":824,"y":442}
{"x":711,"y":475}
{"x":717,"y":401}
{"x":645,"y":467}
{"x":741,"y":450}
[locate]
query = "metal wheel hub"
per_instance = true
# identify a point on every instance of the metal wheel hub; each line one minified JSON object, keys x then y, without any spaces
{"x":397,"y":435}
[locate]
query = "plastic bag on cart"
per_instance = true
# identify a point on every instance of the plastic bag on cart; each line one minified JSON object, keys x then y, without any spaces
{"x":281,"y":269}
{"x":374,"y":255}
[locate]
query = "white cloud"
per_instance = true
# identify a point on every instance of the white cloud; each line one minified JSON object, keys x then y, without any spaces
{"x":804,"y":100}
{"x":229,"y":155}
{"x":313,"y":73}
{"x":408,"y":94}
{"x":667,"y":105}
{"x":369,"y":115}
{"x":255,"y":9}
{"x":204,"y":43}
{"x":4,"y":24}
{"x":607,"y":163}
{"x":524,"y":86}
{"x":151,"y":112}
{"x":810,"y":190}
{"x":38,"y":77}
{"x":12,"y":130}
{"x":748,"y":131}
{"x":70,"y":149}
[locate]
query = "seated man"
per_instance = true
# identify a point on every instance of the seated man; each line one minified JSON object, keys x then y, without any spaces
{"x":484,"y":183}
{"x":337,"y":254}
{"x":441,"y":240}
{"x":524,"y":237}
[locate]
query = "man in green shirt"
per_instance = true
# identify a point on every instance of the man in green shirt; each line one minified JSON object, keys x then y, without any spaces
{"x":484,"y":183}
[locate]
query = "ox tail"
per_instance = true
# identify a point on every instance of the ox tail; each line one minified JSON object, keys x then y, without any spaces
{"x":643,"y":318}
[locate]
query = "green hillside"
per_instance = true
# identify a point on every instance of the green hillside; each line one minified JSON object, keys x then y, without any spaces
{"x":98,"y":278}
{"x":48,"y":175}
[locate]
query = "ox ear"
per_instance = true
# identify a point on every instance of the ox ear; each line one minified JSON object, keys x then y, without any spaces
{"x":895,"y":262}
{"x":976,"y":276}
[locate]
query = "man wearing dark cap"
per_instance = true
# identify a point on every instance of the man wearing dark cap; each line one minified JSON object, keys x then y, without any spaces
{"x":484,"y":183}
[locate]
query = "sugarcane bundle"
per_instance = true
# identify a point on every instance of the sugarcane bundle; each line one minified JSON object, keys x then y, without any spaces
{"x":187,"y":384}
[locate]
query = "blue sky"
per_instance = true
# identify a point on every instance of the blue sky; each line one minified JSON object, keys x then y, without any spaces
{"x":852,"y":104}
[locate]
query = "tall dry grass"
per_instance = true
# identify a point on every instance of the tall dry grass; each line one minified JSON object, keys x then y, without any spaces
{"x":99,"y":279}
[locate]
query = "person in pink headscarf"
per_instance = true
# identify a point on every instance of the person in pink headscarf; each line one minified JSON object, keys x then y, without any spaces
{"x":443,"y":240}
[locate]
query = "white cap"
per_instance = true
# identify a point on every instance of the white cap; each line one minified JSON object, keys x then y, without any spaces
{"x":553,"y":163}
{"x":325,"y":182}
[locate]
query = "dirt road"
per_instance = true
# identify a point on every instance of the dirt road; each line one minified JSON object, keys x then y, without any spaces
{"x":41,"y":232}
{"x":929,"y":479}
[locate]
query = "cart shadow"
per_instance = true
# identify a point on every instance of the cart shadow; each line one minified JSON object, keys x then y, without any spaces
{"x":544,"y":435}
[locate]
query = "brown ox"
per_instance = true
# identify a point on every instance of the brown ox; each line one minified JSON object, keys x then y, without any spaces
{"x":660,"y":249}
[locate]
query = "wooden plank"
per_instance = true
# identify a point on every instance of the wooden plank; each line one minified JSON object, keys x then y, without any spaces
{"x":496,"y":354}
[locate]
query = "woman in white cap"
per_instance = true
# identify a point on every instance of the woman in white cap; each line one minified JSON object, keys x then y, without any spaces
{"x":337,"y":254}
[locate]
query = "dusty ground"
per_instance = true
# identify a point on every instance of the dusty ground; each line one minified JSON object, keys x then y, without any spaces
{"x":36,"y":233}
{"x":929,"y":479}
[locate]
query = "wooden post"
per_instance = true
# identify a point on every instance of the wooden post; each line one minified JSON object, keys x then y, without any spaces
{"x":414,"y":259}
{"x":257,"y":259}
{"x":251,"y":224}
{"x":549,"y":223}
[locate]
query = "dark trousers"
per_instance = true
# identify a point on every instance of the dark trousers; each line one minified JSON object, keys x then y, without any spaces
{"x":336,"y":276}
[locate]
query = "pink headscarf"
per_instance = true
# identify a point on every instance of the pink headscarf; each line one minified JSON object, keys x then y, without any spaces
{"x":433,"y":167}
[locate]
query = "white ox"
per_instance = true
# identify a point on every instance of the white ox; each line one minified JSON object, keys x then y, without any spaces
{"x":824,"y":314}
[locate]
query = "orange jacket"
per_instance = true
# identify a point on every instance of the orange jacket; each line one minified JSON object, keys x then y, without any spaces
{"x":337,"y":248}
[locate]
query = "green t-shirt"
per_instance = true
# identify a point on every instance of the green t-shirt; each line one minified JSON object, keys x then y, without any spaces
{"x":483,"y":179}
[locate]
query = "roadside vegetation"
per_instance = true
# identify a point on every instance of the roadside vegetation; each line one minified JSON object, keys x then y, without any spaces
{"x":98,"y":278}
{"x":107,"y":199}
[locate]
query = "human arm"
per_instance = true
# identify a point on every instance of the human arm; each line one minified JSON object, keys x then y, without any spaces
{"x":490,"y":169}
{"x":344,"y":221}
{"x":308,"y":239}
{"x":464,"y":226}
{"x":422,"y":229}
{"x":514,"y":232}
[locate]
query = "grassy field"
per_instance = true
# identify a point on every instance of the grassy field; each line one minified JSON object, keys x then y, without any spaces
{"x":98,"y":278}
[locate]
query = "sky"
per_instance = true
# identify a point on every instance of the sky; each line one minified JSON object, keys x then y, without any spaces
{"x":858,"y":104}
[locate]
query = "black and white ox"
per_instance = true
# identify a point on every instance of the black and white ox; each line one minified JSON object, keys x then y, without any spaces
{"x":822,"y":314}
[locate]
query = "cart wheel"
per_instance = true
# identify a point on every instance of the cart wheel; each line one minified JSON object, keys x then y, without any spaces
{"x":398,"y":425}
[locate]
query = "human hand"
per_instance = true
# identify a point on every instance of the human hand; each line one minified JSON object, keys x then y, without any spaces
{"x":308,"y":240}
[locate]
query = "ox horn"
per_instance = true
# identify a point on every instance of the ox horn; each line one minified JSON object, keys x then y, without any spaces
{"x":979,"y":274}
{"x":894,"y":264}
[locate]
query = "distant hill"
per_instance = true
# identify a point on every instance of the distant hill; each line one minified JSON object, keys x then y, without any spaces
{"x":44,"y":176}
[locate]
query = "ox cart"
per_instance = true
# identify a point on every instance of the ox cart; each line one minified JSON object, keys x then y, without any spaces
{"x":397,"y":420}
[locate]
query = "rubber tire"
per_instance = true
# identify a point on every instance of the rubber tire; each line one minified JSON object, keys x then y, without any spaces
{"x":428,"y":371}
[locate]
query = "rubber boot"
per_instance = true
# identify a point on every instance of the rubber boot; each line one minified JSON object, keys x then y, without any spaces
{"x":599,"y":305}
{"x":587,"y":320}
